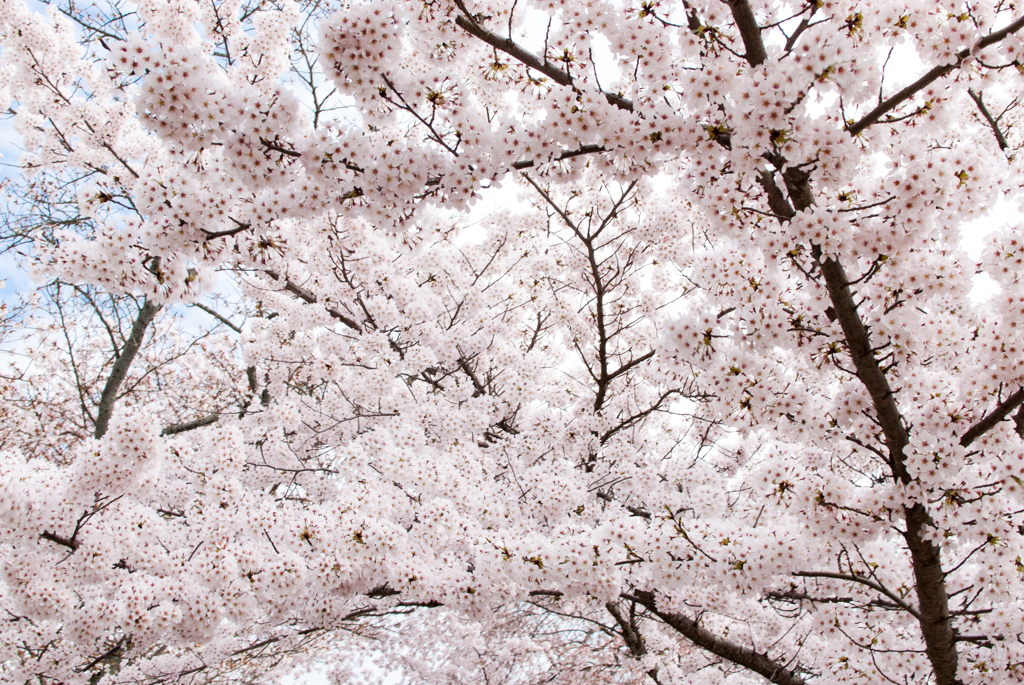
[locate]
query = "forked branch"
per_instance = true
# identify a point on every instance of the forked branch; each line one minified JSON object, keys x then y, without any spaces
{"x":631,"y":634}
{"x":775,"y":671}
{"x":930,"y":77}
{"x":527,"y":58}
{"x":993,"y":124}
{"x":926,"y":557}
{"x":310,"y":298}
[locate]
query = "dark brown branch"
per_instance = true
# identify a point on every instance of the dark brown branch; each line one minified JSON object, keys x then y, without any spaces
{"x":111,"y":655}
{"x":176,"y":428}
{"x":121,"y":365}
{"x":512,"y":49}
{"x":479,"y":388}
{"x":70,"y":543}
{"x":776,"y":199}
{"x":750,"y":31}
{"x":877,"y":587}
{"x":279,"y":149}
{"x":795,"y":596}
{"x":567,"y":154}
{"x":310,"y":298}
{"x":936,"y":627}
{"x":858,"y":342}
{"x":116,"y":156}
{"x":531,"y":60}
{"x":641,"y":415}
{"x":930,"y":77}
{"x":995,"y":416}
{"x":803,"y":26}
{"x":239,"y":228}
{"x":631,"y":635}
{"x":774,"y":671}
{"x":635,"y":511}
{"x":926,"y":558}
{"x":630,"y":365}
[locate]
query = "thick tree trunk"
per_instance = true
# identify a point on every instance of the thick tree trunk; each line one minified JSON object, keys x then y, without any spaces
{"x":925,"y":556}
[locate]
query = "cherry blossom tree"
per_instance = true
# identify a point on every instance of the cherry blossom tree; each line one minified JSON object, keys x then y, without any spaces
{"x":708,"y":401}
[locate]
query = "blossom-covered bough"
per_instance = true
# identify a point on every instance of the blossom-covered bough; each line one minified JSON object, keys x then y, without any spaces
{"x":711,"y":402}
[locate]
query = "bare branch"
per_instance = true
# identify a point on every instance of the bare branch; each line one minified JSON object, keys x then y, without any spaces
{"x":214,"y":314}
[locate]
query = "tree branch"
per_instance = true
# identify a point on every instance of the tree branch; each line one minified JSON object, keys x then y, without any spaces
{"x":762,"y":664}
{"x":121,"y":365}
{"x":566,"y":154}
{"x":310,"y":298}
{"x":531,"y":60}
{"x":631,"y":635}
{"x":926,"y":558}
{"x":1000,"y":138}
{"x":995,"y":416}
{"x":858,"y":342}
{"x":877,"y":587}
{"x":635,"y":511}
{"x":70,"y":543}
{"x":750,"y":31}
{"x":176,"y":428}
{"x":213,"y":312}
{"x":930,"y":77}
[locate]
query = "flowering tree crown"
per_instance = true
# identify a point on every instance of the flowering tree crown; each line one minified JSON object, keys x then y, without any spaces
{"x":710,"y":401}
